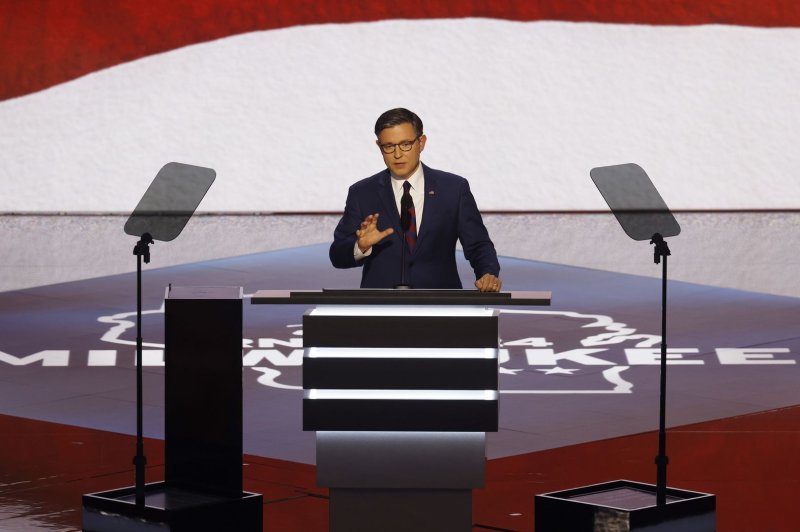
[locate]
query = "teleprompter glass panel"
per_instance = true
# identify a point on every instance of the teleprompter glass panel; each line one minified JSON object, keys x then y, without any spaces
{"x":635,"y":202}
{"x":170,"y":201}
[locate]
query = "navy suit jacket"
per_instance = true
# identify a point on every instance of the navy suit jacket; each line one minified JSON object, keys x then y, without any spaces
{"x":449,"y":214}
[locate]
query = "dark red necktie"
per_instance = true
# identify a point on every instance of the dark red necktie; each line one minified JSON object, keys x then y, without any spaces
{"x":408,"y":216}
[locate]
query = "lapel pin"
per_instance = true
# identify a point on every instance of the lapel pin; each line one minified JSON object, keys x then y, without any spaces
{"x":431,"y":193}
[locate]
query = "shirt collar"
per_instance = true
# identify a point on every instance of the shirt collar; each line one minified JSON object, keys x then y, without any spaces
{"x":416,"y":180}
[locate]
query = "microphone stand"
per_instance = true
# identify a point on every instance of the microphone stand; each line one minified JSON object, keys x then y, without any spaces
{"x":405,"y":224}
{"x":403,"y":285}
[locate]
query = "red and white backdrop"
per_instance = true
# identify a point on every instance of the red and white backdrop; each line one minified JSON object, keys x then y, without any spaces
{"x":523,"y":98}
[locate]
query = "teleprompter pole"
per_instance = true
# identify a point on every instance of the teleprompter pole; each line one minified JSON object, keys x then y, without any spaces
{"x":662,"y":251}
{"x":142,"y":251}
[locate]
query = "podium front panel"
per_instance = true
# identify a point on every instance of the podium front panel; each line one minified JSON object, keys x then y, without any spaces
{"x":400,"y":368}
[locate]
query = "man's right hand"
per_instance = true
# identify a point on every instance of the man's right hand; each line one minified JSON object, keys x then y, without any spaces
{"x":368,"y":234}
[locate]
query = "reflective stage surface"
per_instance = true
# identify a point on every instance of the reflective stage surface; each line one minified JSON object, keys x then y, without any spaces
{"x":749,"y":462}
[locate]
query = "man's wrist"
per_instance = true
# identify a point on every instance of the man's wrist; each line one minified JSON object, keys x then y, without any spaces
{"x":361,"y":255}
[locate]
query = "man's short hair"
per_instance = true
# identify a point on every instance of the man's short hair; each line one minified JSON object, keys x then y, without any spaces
{"x":395,"y":117}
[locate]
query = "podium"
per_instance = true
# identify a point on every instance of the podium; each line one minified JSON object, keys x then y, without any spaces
{"x":202,"y":489}
{"x":400,"y":388}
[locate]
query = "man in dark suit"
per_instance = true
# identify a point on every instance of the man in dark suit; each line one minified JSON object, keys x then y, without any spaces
{"x":437,"y":208}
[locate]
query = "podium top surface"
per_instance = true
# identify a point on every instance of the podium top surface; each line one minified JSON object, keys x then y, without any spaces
{"x":390,"y":296}
{"x":203,"y":292}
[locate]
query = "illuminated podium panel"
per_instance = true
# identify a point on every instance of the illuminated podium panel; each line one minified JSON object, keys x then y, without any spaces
{"x":419,"y":368}
{"x":400,"y":388}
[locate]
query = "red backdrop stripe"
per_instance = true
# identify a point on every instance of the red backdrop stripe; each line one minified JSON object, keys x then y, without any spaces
{"x":46,"y":42}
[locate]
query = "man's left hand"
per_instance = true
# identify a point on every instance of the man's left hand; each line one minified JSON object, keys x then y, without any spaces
{"x":489,"y":283}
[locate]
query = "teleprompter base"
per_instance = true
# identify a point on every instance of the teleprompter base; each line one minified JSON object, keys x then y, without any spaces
{"x":172,"y":509}
{"x":623,"y":506}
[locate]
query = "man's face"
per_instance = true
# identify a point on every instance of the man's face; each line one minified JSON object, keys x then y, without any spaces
{"x":401,"y":163}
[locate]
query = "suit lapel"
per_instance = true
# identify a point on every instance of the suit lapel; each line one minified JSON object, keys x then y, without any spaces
{"x":386,"y":194}
{"x":430,"y":211}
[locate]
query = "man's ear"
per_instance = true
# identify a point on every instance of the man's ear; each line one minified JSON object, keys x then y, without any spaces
{"x":422,"y":140}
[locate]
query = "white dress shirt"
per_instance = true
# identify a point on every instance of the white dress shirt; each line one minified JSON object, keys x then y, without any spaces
{"x":417,"y":181}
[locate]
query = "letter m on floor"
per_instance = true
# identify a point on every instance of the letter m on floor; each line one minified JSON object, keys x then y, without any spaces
{"x":49,"y":357}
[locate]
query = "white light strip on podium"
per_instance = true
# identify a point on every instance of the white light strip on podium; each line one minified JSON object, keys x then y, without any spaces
{"x":436,"y":395}
{"x":401,"y":352}
{"x":400,"y":310}
{"x":400,"y":435}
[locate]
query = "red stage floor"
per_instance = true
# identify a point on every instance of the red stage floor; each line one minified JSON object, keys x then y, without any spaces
{"x":749,"y":462}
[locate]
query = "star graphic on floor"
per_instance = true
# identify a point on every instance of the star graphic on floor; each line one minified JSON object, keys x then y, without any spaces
{"x":557,"y":371}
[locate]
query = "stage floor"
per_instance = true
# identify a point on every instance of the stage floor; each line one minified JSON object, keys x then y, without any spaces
{"x":578,"y":380}
{"x":580,"y":370}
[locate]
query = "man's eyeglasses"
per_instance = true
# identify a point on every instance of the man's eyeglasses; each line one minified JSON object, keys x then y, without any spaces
{"x":404,"y":146}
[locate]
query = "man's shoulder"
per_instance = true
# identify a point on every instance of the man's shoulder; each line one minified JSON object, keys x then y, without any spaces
{"x":443,"y":178}
{"x":370,"y":181}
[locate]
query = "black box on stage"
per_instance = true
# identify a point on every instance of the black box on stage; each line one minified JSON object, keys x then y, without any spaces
{"x":171,"y":509}
{"x":624,"y":506}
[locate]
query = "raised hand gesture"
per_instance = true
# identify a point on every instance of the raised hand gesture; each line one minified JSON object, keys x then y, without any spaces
{"x":368,"y":234}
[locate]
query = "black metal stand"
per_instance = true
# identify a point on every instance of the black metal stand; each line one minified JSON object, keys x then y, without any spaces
{"x":625,"y":504}
{"x":660,"y":251}
{"x":405,"y":224}
{"x":403,"y":285}
{"x":142,"y":251}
